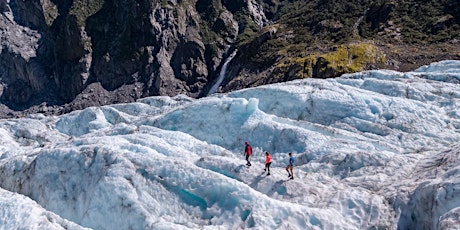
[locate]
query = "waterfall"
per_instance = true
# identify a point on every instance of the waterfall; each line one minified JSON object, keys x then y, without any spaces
{"x":221,"y":74}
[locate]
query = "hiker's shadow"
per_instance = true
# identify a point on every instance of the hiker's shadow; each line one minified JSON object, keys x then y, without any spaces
{"x":256,"y":181}
{"x":238,"y":169}
{"x":278,"y":187}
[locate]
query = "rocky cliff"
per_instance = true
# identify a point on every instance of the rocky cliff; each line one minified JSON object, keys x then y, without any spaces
{"x":61,"y":55}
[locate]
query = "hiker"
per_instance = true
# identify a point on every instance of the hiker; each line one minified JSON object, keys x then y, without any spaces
{"x":290,"y":166}
{"x":268,"y":162}
{"x":247,"y":152}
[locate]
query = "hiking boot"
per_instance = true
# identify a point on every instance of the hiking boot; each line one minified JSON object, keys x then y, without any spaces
{"x":268,"y":174}
{"x":289,"y":175}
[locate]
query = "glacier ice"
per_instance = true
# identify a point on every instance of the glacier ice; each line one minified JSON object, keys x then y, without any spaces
{"x":374,"y":150}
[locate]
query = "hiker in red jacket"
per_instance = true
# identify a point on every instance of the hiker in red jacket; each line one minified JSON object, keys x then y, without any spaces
{"x":247,"y":152}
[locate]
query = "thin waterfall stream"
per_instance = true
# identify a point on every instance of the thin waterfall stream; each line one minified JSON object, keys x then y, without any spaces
{"x":222,"y":74}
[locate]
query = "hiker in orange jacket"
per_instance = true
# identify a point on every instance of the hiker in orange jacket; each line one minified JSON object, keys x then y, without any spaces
{"x":268,"y":162}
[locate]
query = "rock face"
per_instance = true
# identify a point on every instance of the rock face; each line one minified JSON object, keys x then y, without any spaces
{"x":61,"y":55}
{"x":53,"y":50}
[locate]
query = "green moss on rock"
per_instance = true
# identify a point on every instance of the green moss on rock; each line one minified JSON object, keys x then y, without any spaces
{"x":353,"y":58}
{"x":349,"y":58}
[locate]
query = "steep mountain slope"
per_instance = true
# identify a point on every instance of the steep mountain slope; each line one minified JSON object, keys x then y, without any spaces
{"x":328,"y":38}
{"x":61,"y":55}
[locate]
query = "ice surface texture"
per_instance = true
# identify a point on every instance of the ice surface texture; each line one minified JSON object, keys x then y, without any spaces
{"x":374,"y":150}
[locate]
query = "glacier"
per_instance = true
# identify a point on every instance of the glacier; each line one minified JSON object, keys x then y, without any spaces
{"x":374,"y":150}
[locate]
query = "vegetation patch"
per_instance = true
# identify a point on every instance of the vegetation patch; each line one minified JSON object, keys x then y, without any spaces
{"x":348,"y":58}
{"x":293,"y":68}
{"x":210,"y":39}
{"x":82,"y":9}
{"x":354,"y":57}
{"x":249,"y":32}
